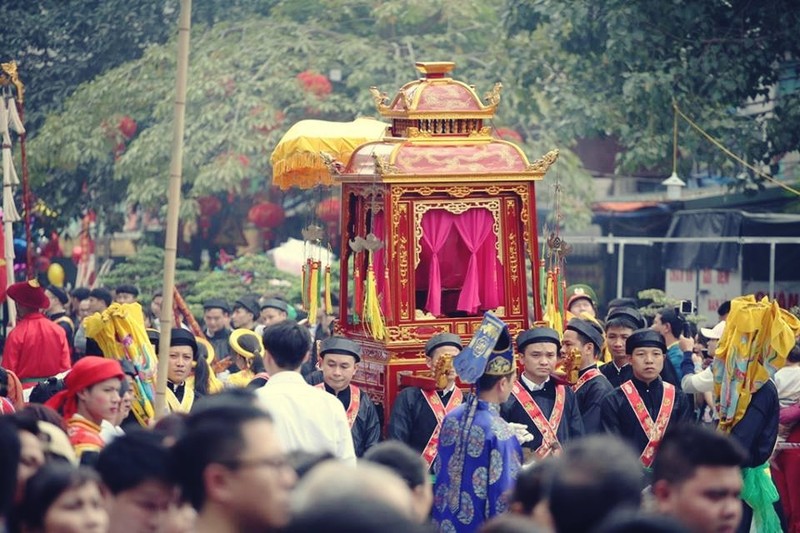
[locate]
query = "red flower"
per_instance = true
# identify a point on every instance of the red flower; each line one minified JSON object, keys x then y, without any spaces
{"x":266,"y":215}
{"x":127,"y":127}
{"x":315,"y":83}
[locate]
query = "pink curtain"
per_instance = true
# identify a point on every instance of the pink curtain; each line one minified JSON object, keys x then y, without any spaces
{"x":379,"y":262}
{"x":474,"y":226}
{"x":492,"y":286}
{"x":436,"y":225}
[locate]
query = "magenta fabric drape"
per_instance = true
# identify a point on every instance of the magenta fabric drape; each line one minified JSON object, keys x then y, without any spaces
{"x":474,"y":226}
{"x":378,"y":259}
{"x":436,"y":226}
{"x":492,"y":283}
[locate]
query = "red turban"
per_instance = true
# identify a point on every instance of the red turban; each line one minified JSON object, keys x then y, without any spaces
{"x":85,"y":373}
{"x":29,"y":294}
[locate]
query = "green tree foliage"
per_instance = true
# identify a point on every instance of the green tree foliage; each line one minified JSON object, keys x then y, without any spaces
{"x":145,"y":270}
{"x":614,"y":68}
{"x":244,"y":93}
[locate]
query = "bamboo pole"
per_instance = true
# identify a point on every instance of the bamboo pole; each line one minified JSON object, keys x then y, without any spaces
{"x":173,"y":206}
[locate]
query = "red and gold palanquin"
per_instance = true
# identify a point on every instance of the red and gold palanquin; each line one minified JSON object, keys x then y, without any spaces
{"x":441,"y":191}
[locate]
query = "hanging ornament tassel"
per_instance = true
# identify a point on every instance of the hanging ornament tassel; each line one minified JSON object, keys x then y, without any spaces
{"x":387,"y":303}
{"x":373,"y":318}
{"x":358,"y":285}
{"x":328,"y":301}
{"x":313,"y":300}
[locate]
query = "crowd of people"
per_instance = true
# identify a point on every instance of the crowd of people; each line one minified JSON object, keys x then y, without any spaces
{"x":611,"y":423}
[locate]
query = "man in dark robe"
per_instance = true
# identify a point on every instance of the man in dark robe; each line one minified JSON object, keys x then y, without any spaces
{"x":642,"y":408}
{"x":545,"y":405}
{"x":417,"y":414}
{"x":339,"y":359}
{"x":592,"y":386}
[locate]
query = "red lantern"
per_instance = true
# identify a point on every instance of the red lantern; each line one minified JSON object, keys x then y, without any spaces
{"x":209,"y":206}
{"x":127,"y":127}
{"x":266,"y":215}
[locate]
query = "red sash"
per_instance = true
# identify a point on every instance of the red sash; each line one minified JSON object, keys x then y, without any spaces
{"x":547,"y":428}
{"x":439,"y":411}
{"x":355,"y":403}
{"x":585,"y":378}
{"x":653,"y":431}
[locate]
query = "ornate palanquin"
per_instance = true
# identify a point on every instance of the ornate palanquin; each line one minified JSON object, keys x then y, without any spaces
{"x":439,"y":163}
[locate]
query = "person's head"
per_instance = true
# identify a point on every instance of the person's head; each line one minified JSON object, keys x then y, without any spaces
{"x":367,"y":481}
{"x":443,"y":345}
{"x":29,"y":297}
{"x":231,"y":463}
{"x":182,"y":355}
{"x":76,"y":296}
{"x":286,"y":345}
{"x":245,"y":312}
{"x":530,"y":491}
{"x":31,"y":451}
{"x":618,"y":303}
{"x":794,"y":354}
{"x":155,"y":304}
{"x":247,"y":348}
{"x":406,"y":463}
{"x":723,"y":309}
{"x":600,"y":472}
{"x":91,"y":389}
{"x":61,"y":498}
{"x":638,"y":521}
{"x":510,"y":523}
{"x":620,"y":324}
{"x":669,"y":323}
{"x":713,"y":335}
{"x":539,"y":348}
{"x":134,"y":469}
{"x":581,"y":299}
{"x":647,"y":350}
{"x":9,"y":463}
{"x":584,"y":336}
{"x":216,"y":315}
{"x":58,"y":299}
{"x":339,"y":359}
{"x":99,"y":299}
{"x":697,"y":478}
{"x":345,"y":514}
{"x":273,"y":310}
{"x":126,"y":294}
{"x":84,"y":309}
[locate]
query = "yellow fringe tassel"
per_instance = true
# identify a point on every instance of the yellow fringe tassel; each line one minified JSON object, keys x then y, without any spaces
{"x":313,"y":300}
{"x":328,"y":302}
{"x":373,"y":317}
{"x":304,"y":287}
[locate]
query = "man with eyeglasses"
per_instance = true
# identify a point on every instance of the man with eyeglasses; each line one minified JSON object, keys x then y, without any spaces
{"x":230,"y":465}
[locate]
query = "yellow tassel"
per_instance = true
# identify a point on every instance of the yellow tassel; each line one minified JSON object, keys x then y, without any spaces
{"x":328,"y":302}
{"x":303,"y":286}
{"x":313,"y":300}
{"x":373,"y":317}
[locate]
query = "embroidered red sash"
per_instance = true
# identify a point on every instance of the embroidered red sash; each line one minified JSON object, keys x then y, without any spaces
{"x":439,"y":411}
{"x":355,"y":403}
{"x":585,"y":378}
{"x":547,"y":428}
{"x":653,"y":430}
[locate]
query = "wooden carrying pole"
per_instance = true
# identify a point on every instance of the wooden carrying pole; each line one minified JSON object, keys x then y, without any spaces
{"x":173,"y":206}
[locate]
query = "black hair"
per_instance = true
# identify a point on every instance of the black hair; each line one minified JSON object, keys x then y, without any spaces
{"x":46,"y":485}
{"x":344,"y":514}
{"x":676,"y":321}
{"x":794,"y":353}
{"x":510,"y":523}
{"x":621,"y":321}
{"x":128,"y":289}
{"x":26,"y":422}
{"x":201,"y":374}
{"x":3,"y":382}
{"x":213,"y":435}
{"x":9,"y":461}
{"x":724,"y":308}
{"x":101,"y":294}
{"x":630,"y":521}
{"x":585,"y":339}
{"x":401,"y":459}
{"x":250,"y":343}
{"x":603,"y":472}
{"x":44,"y":390}
{"x":486,"y":381}
{"x":685,"y":447}
{"x":531,"y":483}
{"x":287,"y":343}
{"x":43,"y":413}
{"x":172,"y":426}
{"x":303,"y":461}
{"x":80,"y":293}
{"x":132,"y":459}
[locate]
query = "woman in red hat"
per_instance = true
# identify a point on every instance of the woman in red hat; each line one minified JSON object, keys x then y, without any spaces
{"x":90,"y":395}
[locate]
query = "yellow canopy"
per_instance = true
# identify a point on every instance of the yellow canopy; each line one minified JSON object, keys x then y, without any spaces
{"x":296,"y":160}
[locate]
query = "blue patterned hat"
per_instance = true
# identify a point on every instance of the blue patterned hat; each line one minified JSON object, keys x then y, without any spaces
{"x":490,"y":351}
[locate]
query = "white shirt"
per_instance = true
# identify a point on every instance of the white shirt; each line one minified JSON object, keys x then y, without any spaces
{"x":698,"y":383}
{"x":307,"y":418}
{"x":532,"y":385}
{"x":787,"y":380}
